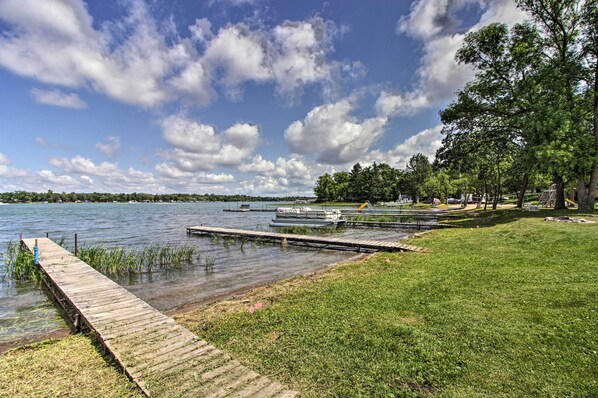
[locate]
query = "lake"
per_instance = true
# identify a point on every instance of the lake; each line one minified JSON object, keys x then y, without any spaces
{"x":26,"y":313}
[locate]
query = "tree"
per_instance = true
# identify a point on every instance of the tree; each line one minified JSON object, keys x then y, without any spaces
{"x":418,"y":171}
{"x":342,"y":179}
{"x":325,"y":189}
{"x":565,"y":131}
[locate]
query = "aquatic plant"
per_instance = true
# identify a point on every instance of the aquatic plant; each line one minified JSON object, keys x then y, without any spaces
{"x":296,"y":229}
{"x":209,"y":262}
{"x":303,"y":230}
{"x":19,"y":263}
{"x":120,"y":261}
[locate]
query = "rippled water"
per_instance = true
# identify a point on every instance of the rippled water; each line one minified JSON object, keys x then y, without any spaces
{"x":26,"y":311}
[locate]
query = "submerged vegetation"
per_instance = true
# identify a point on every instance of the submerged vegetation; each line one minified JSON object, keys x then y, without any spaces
{"x":19,"y":263}
{"x":120,"y":261}
{"x":304,"y":230}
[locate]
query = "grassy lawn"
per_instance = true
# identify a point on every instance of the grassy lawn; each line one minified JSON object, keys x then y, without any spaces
{"x":506,"y":309}
{"x":70,"y":367}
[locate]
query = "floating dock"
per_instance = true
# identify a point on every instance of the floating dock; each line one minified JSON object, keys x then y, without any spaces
{"x":326,"y":242}
{"x":163,"y":358}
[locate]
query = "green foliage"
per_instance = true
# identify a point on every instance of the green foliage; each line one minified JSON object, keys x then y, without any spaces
{"x":19,"y":263}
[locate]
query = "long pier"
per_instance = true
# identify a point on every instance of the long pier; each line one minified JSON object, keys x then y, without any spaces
{"x":306,"y":240}
{"x":163,"y":358}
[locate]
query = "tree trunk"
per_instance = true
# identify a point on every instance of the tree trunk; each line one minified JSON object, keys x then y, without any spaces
{"x":522,"y":190}
{"x":484,"y":195}
{"x":559,"y":203}
{"x":586,"y":194}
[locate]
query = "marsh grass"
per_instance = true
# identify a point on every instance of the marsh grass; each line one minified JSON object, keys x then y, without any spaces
{"x":120,"y":261}
{"x":19,"y":263}
{"x":303,"y":230}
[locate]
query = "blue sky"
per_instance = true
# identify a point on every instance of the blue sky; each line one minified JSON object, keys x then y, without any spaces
{"x":232,"y":96}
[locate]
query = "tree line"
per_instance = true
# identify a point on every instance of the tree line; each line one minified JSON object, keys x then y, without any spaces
{"x":528,"y":119}
{"x":63,"y":197}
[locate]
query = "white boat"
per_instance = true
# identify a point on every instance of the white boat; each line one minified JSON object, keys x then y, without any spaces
{"x":306,"y":217}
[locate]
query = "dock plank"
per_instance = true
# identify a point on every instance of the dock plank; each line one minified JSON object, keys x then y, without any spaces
{"x":152,"y":349}
{"x":346,"y":243}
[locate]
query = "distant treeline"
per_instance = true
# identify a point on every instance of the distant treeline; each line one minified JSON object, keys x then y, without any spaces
{"x":55,"y":197}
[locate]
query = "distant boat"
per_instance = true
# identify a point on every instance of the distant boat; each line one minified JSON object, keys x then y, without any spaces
{"x":306,"y":217}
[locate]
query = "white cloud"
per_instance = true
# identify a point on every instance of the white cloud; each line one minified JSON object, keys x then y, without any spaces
{"x":58,"y":98}
{"x":169,"y":171}
{"x":333,"y":135}
{"x":425,"y":142}
{"x":439,"y":76}
{"x":258,"y":165}
{"x":82,"y":165}
{"x":199,"y":147}
{"x":131,"y":60}
{"x":301,"y":54}
{"x":7,"y":171}
{"x":61,"y":180}
{"x":111,"y":148}
{"x":239,"y":53}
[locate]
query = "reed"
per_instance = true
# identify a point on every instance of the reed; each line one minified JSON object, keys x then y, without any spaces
{"x":19,"y":263}
{"x":120,"y":261}
{"x":209,"y":262}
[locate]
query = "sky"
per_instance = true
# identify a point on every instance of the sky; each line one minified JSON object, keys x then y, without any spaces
{"x":233,"y":96}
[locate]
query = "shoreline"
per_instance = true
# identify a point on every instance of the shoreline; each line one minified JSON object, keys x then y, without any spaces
{"x":189,"y":307}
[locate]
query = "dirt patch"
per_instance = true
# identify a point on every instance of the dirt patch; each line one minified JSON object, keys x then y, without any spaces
{"x":58,"y":334}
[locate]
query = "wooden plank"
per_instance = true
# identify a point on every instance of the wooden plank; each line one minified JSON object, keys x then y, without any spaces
{"x":152,"y":348}
{"x":356,"y":244}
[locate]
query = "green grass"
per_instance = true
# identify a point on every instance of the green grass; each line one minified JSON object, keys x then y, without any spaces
{"x":505,"y":306}
{"x":71,"y":367}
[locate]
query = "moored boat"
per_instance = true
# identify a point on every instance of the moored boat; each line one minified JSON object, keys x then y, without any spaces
{"x":306,"y":217}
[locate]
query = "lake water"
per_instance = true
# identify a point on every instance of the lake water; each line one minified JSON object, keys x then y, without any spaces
{"x":26,"y":313}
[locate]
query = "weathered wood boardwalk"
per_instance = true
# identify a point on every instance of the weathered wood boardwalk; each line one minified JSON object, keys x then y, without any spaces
{"x":162,"y":357}
{"x":418,"y":224}
{"x":328,"y":242}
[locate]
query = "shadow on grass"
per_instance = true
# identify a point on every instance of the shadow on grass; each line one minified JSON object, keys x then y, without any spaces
{"x":490,"y":218}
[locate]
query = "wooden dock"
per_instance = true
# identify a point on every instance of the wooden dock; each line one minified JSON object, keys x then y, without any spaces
{"x":162,"y":357}
{"x":418,"y":224}
{"x":327,"y":242}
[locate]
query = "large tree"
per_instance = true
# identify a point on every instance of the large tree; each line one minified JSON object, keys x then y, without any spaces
{"x":565,"y":132}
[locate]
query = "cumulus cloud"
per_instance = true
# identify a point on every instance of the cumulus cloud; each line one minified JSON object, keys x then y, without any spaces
{"x":333,"y":134}
{"x":198,"y":146}
{"x":58,"y":98}
{"x":426,"y":142}
{"x":131,"y":60}
{"x":9,"y":172}
{"x":439,"y":76}
{"x":110,"y":148}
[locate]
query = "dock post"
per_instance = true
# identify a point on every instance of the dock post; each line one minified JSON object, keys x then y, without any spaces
{"x":76,"y":245}
{"x":47,"y":234}
{"x":36,"y":254}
